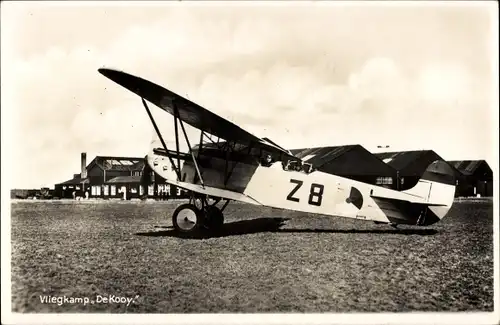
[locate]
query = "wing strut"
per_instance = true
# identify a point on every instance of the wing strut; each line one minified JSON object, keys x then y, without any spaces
{"x":201,"y":143}
{"x":177,"y":172}
{"x":176,"y":116}
{"x":188,"y":143}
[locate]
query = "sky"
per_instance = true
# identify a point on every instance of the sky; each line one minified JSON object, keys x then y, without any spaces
{"x":304,"y":75}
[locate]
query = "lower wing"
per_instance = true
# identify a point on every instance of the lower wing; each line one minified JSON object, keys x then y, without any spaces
{"x":215,"y":192}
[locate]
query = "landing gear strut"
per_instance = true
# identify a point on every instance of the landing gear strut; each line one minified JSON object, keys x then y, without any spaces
{"x":213,"y":218}
{"x":191,"y":217}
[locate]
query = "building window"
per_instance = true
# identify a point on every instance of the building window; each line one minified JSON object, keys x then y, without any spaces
{"x":165,"y":188}
{"x":384,"y":181}
{"x":151,"y":190}
{"x":95,"y":190}
{"x":106,"y":190}
{"x":141,"y":190}
{"x":133,"y":190}
{"x":113,"y":190}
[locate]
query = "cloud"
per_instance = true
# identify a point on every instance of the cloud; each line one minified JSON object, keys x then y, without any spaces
{"x":300,"y":76}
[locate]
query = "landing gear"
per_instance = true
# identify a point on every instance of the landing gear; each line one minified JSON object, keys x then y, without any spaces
{"x":186,"y":218}
{"x":192,"y":217}
{"x":214,"y":219}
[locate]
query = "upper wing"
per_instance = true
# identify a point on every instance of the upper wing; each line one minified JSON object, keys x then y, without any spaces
{"x":189,"y":112}
{"x":269,"y":141}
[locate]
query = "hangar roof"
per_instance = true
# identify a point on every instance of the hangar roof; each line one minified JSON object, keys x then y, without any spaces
{"x":295,"y":151}
{"x":409,"y":163}
{"x":346,"y":160}
{"x":321,"y":155}
{"x":109,"y":163}
{"x":466,"y":167}
{"x":75,"y":181}
{"x":125,"y":179}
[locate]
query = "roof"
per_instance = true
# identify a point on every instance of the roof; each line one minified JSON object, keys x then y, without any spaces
{"x":109,"y":163}
{"x":467,"y":167}
{"x":321,"y":155}
{"x":348,"y":160}
{"x":75,"y":181}
{"x":400,"y":159}
{"x":125,"y":179}
{"x":409,"y":163}
{"x":296,"y":151}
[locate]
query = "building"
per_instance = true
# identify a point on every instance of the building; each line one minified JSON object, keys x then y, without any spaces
{"x":351,"y":161}
{"x":409,"y":165}
{"x":476,"y":178}
{"x":114,"y":177}
{"x":43,"y":193}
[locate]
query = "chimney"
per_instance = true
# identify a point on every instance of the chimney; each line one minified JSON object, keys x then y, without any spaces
{"x":84,"y":165}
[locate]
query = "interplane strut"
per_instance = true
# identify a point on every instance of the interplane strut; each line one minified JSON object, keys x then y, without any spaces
{"x":177,"y":172}
{"x":189,"y":145}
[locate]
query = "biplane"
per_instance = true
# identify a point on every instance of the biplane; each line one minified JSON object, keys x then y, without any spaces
{"x":231,"y":164}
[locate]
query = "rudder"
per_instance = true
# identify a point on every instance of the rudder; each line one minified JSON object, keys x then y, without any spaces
{"x":437,"y":187}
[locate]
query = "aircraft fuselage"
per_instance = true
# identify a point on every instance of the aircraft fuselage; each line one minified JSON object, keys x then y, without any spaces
{"x":316,"y":192}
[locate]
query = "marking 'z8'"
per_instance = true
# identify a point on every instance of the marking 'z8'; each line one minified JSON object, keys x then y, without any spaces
{"x":315,"y":193}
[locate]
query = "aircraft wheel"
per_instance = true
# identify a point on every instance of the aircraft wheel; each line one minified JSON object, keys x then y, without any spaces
{"x":214,"y":219}
{"x":186,"y":218}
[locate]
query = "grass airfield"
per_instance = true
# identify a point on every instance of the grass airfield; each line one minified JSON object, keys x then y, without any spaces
{"x":264,"y":260}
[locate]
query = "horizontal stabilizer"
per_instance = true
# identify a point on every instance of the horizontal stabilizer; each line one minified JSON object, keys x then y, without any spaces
{"x":423,"y":203}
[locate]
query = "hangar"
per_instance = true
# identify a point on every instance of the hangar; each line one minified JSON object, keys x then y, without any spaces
{"x":114,"y":177}
{"x":351,"y":161}
{"x":476,"y":178}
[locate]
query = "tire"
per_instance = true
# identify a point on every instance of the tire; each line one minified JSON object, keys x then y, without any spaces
{"x":214,"y":219}
{"x":187,"y":218}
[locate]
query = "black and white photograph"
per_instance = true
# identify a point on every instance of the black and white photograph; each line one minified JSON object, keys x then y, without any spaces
{"x":249,"y":161}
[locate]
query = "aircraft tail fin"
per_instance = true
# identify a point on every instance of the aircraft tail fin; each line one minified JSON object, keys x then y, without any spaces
{"x":436,"y":188}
